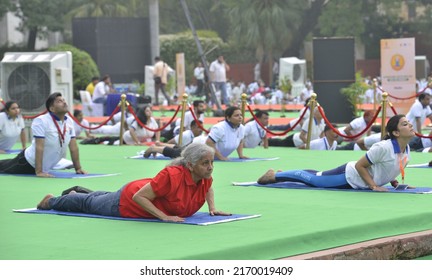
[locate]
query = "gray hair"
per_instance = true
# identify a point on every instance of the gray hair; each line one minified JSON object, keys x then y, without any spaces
{"x":192,"y":154}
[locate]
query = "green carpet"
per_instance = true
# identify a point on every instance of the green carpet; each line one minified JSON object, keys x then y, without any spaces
{"x":292,"y":222}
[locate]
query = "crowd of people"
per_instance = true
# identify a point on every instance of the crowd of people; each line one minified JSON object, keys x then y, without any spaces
{"x":168,"y":196}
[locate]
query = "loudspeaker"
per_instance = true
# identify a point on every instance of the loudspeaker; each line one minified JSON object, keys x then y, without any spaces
{"x":334,"y":69}
{"x":119,"y":46}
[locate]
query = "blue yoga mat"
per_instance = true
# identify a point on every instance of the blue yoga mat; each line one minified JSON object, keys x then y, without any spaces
{"x":64,"y":175}
{"x":199,"y":218}
{"x":422,"y":165}
{"x":301,"y":186}
{"x":232,"y":159}
{"x":13,"y":151}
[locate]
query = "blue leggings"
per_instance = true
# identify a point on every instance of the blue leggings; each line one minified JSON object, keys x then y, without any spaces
{"x":334,"y":178}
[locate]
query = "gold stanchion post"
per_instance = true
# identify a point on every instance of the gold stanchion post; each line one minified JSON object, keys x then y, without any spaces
{"x":184,"y":102}
{"x":312,"y":104}
{"x":383,"y":114}
{"x":243,"y":106}
{"x":122,"y":119}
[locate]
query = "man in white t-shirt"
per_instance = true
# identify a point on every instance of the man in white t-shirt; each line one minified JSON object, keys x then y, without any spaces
{"x":300,"y":138}
{"x":199,"y":110}
{"x":101,"y":90}
{"x":53,"y":133}
{"x":255,"y":135}
{"x":218,"y":69}
{"x":199,"y":76}
{"x":356,"y":126}
{"x":419,"y":111}
{"x":326,"y":143}
{"x":172,"y":149}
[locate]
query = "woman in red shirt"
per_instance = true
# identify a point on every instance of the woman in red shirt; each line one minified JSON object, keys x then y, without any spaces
{"x":176,"y":192}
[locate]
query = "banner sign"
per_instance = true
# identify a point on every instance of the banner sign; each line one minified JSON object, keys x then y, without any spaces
{"x":181,"y":78}
{"x":398,"y":72}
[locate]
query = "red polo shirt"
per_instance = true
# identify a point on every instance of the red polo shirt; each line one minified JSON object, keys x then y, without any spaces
{"x":176,"y":194}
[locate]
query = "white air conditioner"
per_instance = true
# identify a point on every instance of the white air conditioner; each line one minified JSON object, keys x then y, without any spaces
{"x":422,"y":67}
{"x":293,"y":69}
{"x":30,"y":77}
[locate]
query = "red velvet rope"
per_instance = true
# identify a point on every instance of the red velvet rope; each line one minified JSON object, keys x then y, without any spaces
{"x":349,"y":136}
{"x":197,"y":121}
{"x":417,"y":134}
{"x":277,"y":133}
{"x":148,"y":128}
{"x":26,"y":117}
{"x":399,"y":98}
{"x":423,"y":90}
{"x":116,"y":109}
{"x":33,"y":117}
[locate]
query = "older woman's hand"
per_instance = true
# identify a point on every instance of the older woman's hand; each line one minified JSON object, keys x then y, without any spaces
{"x":175,"y":219}
{"x":219,"y":213}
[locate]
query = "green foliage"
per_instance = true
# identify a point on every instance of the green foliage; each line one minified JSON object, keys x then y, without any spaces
{"x":84,"y":67}
{"x":41,"y":14}
{"x":354,"y":92}
{"x":5,"y":6}
{"x":347,"y":12}
{"x":140,"y":87}
{"x":13,"y":48}
{"x":285,"y":85}
{"x":185,"y":43}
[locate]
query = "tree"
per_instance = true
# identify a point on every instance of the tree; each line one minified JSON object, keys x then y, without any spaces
{"x":38,"y":17}
{"x":309,"y":16}
{"x":5,"y":6}
{"x":262,"y":24}
{"x":104,"y":8}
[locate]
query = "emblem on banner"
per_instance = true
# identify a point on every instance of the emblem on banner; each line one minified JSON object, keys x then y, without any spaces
{"x":397,"y":62}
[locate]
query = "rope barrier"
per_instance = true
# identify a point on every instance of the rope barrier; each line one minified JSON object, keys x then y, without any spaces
{"x":417,"y":134}
{"x":35,"y":116}
{"x":100,"y":125}
{"x":399,"y":98}
{"x":349,"y":136}
{"x":423,"y":90}
{"x":277,"y":133}
{"x":198,"y":121}
{"x":131,"y":110}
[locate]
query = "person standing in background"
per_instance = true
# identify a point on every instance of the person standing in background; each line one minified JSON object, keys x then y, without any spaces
{"x":160,"y":77}
{"x":218,"y":69}
{"x":199,"y":76}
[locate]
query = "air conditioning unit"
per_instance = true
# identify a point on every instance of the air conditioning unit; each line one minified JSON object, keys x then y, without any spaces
{"x":422,"y":67}
{"x":293,"y":69}
{"x":30,"y":77}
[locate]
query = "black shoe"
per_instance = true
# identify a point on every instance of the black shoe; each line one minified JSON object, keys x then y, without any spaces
{"x":77,"y":189}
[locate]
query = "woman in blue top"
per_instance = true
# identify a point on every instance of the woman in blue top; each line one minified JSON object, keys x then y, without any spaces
{"x":381,"y":165}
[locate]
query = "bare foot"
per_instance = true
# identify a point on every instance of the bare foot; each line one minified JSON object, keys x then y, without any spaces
{"x":268,"y":177}
{"x":44,"y":204}
{"x":148,"y":152}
